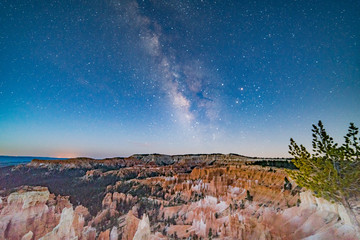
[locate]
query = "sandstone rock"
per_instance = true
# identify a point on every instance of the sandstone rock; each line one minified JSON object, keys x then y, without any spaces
{"x":143,"y":230}
{"x":131,"y":225}
{"x":89,"y":233}
{"x":34,"y":213}
{"x":107,"y":200}
{"x":64,"y":229}
{"x":195,"y":195}
{"x":100,"y":217}
{"x":83,"y":211}
{"x":114,"y":234}
{"x":104,"y":235}
{"x":26,"y":210}
{"x":28,"y":236}
{"x":29,"y":197}
{"x":310,"y":201}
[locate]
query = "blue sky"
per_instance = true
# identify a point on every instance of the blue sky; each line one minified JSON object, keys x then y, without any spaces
{"x":113,"y":78}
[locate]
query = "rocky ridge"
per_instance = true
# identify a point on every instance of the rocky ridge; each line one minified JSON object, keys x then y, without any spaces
{"x":157,"y":197}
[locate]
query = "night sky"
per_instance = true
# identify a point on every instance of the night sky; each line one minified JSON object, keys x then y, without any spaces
{"x":113,"y":78}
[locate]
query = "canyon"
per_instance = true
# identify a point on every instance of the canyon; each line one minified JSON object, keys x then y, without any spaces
{"x":154,"y":196}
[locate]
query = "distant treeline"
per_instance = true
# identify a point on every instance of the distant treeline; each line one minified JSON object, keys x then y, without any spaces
{"x":274,"y":163}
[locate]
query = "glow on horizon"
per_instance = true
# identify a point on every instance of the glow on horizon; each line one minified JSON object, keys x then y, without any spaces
{"x":130,"y":76}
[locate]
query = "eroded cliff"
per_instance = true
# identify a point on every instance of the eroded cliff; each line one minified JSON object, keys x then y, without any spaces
{"x":152,"y":197}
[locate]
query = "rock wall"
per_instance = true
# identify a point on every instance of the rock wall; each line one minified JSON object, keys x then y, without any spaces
{"x":34,"y":213}
{"x":178,"y":201}
{"x":143,"y":231}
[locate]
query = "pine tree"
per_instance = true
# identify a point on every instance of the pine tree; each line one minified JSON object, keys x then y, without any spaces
{"x":331,"y":171}
{"x":210,"y":233}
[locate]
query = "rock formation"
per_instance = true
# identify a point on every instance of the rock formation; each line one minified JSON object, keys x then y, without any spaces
{"x":143,"y":231}
{"x":164,"y":197}
{"x":34,"y":213}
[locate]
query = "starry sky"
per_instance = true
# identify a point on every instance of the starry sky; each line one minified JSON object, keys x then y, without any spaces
{"x":116,"y":77}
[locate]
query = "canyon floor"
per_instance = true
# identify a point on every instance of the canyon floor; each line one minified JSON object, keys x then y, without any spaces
{"x":155,"y":196}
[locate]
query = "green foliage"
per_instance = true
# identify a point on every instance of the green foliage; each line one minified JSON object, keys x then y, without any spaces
{"x":287,"y":164}
{"x":210,"y":233}
{"x":248,"y":196}
{"x":287,"y":184}
{"x":242,"y":205}
{"x":331,"y":171}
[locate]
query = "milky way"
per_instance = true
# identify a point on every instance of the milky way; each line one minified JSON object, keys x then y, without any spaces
{"x":112,"y":78}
